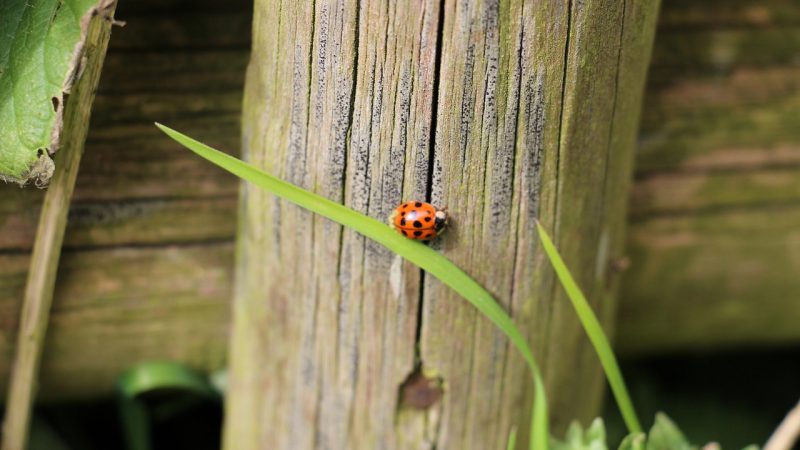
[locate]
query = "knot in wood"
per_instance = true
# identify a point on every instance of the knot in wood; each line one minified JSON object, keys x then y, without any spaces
{"x":420,"y":392}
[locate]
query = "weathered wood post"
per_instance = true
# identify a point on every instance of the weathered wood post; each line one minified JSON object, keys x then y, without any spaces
{"x":505,"y":112}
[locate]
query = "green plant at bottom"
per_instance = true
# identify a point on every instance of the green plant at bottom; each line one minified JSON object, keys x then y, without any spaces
{"x":149,"y":377}
{"x":663,"y":435}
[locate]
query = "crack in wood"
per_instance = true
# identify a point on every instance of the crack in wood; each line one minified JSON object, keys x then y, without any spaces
{"x":382,"y":132}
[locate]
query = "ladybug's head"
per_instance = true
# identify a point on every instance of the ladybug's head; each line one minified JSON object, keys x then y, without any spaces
{"x":440,"y":220}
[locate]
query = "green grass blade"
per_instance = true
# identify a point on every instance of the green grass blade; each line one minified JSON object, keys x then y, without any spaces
{"x":146,"y":377}
{"x":512,"y":439}
{"x":413,"y":251}
{"x":539,"y":429}
{"x":595,"y":331}
{"x":162,"y":375}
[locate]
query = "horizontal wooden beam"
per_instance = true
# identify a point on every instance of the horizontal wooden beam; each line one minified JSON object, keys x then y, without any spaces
{"x":713,"y":241}
{"x":114,"y":308}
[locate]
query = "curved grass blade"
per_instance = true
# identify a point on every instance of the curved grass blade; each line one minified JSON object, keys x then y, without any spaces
{"x":150,"y":376}
{"x":512,"y":439}
{"x":415,"y":252}
{"x":595,"y":331}
{"x":147,"y":377}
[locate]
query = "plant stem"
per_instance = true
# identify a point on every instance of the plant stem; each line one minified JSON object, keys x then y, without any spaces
{"x":787,"y":432}
{"x":38,"y":298}
{"x":49,"y":237}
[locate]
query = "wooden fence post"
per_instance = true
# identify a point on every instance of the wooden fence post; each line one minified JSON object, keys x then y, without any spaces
{"x":503,"y":111}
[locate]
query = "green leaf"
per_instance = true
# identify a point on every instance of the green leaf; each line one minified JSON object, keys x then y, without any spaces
{"x":40,"y":44}
{"x":595,"y":332}
{"x":635,"y":441}
{"x":413,"y":251}
{"x":151,"y":376}
{"x":593,"y":438}
{"x":596,"y":432}
{"x":665,"y":435}
{"x":512,"y":439}
{"x":148,"y":377}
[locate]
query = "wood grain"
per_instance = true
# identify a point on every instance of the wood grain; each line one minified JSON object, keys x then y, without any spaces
{"x":714,"y":211}
{"x":109,"y":313}
{"x":529,"y":120}
{"x":346,"y":110}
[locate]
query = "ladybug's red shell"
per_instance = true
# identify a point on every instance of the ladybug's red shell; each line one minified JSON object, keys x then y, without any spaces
{"x":418,"y":220}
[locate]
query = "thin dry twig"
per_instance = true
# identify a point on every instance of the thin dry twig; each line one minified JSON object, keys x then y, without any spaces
{"x":787,"y":432}
{"x":49,"y":237}
{"x":38,"y":298}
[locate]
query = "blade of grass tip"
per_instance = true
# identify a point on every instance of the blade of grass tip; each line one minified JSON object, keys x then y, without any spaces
{"x":595,"y":331}
{"x":413,"y":251}
{"x":512,"y":439}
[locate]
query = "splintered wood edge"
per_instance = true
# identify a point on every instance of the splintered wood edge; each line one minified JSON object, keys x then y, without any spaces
{"x":50,"y":233}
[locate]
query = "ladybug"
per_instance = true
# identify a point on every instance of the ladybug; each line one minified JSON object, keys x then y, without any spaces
{"x":418,"y":220}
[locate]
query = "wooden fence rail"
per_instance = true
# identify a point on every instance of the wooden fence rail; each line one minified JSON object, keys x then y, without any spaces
{"x":150,"y":231}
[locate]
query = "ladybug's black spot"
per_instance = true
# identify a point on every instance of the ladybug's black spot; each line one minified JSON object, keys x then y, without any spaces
{"x":402,"y":222}
{"x":418,"y":204}
{"x":428,"y":219}
{"x":404,"y":206}
{"x":403,"y":213}
{"x":418,"y":233}
{"x":417,"y":224}
{"x":429,"y":235}
{"x":404,"y":233}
